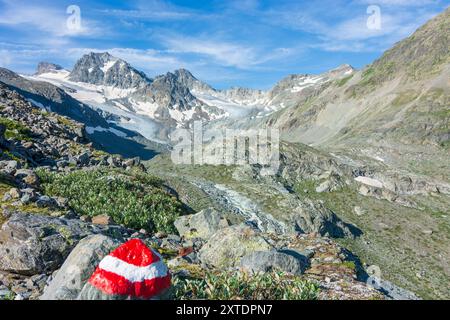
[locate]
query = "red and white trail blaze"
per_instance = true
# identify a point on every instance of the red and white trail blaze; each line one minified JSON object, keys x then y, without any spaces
{"x":132,"y":270}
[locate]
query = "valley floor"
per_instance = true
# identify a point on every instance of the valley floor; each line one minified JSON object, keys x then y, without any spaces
{"x":405,"y":234}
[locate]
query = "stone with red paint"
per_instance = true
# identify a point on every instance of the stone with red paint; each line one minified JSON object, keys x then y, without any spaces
{"x":132,"y":271}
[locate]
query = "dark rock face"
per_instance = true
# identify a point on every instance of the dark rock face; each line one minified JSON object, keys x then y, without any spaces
{"x":187,"y":79}
{"x":32,"y":244}
{"x":3,"y":142}
{"x":104,"y":69}
{"x":314,"y":217}
{"x":169,"y":93}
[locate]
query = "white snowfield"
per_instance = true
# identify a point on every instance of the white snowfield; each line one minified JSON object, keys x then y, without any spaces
{"x":101,"y":97}
{"x":140,"y":116}
{"x":307,"y":82}
{"x":108,"y":65}
{"x":231,"y":109}
{"x":84,"y":91}
{"x":369,"y":181}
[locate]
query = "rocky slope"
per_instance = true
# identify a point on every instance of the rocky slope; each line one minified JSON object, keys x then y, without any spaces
{"x":53,"y":98}
{"x":394,"y":106}
{"x":99,"y":127}
{"x":41,"y":234}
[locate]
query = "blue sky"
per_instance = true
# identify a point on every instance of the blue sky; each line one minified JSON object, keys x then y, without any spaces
{"x":251,"y":43}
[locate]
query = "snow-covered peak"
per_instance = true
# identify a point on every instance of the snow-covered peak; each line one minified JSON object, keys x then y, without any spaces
{"x":47,"y":67}
{"x":104,"y":69}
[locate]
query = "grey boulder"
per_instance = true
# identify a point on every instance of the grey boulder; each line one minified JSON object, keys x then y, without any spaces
{"x":78,"y":267}
{"x":33,"y":244}
{"x":265,"y":261}
{"x":227,"y":246}
{"x":201,"y":225}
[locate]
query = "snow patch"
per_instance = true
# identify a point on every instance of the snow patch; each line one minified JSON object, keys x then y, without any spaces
{"x":91,"y":130}
{"x":369,"y":181}
{"x":108,"y":65}
{"x":37,"y":104}
{"x":145,"y":108}
{"x":305,"y":83}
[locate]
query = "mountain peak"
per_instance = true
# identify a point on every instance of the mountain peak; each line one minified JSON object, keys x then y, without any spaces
{"x":187,"y":79}
{"x":47,"y":67}
{"x":184,"y":76}
{"x":104,"y":69}
{"x":183,"y":71}
{"x":344,"y":67}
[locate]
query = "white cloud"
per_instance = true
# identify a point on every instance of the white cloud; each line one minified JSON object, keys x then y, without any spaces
{"x":155,"y":10}
{"x":222,"y":52}
{"x":225,"y":53}
{"x":49,"y":20}
{"x":399,"y":3}
{"x":5,"y":58}
{"x":350,"y":33}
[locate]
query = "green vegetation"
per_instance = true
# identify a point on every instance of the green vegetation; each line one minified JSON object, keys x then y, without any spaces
{"x":15,"y":130}
{"x":445,"y":114}
{"x":12,"y":156}
{"x":349,"y":265}
{"x":445,"y":144}
{"x":9,"y":297}
{"x":5,"y":185}
{"x":395,"y":243}
{"x":343,"y":81}
{"x":65,"y":122}
{"x":135,"y":200}
{"x":238,"y":286}
{"x":404,"y":98}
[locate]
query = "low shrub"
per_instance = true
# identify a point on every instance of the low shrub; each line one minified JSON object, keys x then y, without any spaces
{"x":243,"y":286}
{"x":15,"y":130}
{"x":135,"y":201}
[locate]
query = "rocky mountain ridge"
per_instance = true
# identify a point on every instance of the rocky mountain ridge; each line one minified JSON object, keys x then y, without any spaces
{"x":174,"y":99}
{"x":104,"y":69}
{"x":47,"y":67}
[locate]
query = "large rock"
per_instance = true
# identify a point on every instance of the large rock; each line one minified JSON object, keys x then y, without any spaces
{"x":227,"y":246}
{"x":314,"y":217}
{"x":27,"y":176}
{"x":32,"y":244}
{"x":78,"y":267}
{"x":265,"y":261}
{"x":201,"y":225}
{"x":132,"y":271}
{"x":103,"y":219}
